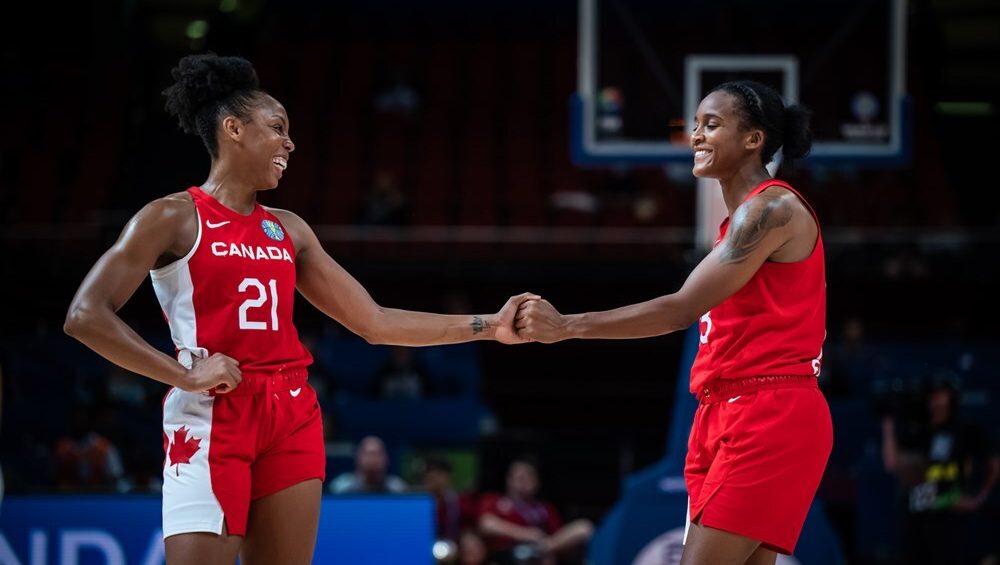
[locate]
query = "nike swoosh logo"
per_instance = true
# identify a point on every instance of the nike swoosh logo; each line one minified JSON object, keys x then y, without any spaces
{"x":295,"y":392}
{"x":210,"y":224}
{"x":735,"y":398}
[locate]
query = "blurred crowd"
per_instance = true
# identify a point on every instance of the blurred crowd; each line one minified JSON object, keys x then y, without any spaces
{"x":912,"y":478}
{"x":474,"y":527}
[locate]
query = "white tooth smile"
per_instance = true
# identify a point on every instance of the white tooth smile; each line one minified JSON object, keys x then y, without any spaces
{"x":280,"y":162}
{"x":701,"y":153}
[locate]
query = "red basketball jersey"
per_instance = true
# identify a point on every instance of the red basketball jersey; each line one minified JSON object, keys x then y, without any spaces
{"x":774,"y":325}
{"x":233,"y":292}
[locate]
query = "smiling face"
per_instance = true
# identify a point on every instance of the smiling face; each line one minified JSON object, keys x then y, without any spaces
{"x":261,"y":145}
{"x":721,"y":143}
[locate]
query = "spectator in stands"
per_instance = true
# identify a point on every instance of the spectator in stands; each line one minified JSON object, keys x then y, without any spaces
{"x":455,"y":512}
{"x":402,"y":376}
{"x":519,"y":527}
{"x":371,"y":472}
{"x":86,"y":460}
{"x":934,"y":459}
{"x":385,"y":203}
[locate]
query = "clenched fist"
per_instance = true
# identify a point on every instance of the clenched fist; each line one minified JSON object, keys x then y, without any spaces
{"x":538,"y":320}
{"x":505,"y":331}
{"x":219,"y":372}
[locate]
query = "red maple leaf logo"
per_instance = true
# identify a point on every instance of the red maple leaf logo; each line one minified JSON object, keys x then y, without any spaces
{"x":182,"y":449}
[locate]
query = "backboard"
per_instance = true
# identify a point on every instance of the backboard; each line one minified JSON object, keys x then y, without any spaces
{"x":643,"y":67}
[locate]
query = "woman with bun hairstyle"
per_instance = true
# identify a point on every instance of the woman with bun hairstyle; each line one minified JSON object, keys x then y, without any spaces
{"x":762,"y":432}
{"x":241,"y":426}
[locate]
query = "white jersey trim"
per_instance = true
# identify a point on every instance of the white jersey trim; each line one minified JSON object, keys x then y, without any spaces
{"x":175,"y":291}
{"x":167,"y":270}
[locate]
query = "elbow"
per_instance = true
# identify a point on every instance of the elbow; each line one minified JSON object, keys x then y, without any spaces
{"x":676,"y":312}
{"x":685,"y":322}
{"x":83,"y":320}
{"x":77,"y":319}
{"x":681,"y":321}
{"x":371,"y":329}
{"x":373,"y":338}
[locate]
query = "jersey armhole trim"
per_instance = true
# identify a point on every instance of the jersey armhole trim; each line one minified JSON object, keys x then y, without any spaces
{"x":171,"y":268}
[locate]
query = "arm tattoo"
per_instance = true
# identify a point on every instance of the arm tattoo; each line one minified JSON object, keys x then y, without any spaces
{"x":478,"y":325}
{"x":751,"y":224}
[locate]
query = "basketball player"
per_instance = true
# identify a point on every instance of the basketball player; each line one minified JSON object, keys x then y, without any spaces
{"x":242,"y":428}
{"x":762,"y":432}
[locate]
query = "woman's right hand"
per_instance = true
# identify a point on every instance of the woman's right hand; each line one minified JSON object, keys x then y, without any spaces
{"x":218,"y":372}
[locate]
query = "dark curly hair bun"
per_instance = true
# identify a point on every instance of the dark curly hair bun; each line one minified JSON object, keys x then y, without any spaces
{"x":207,"y":87}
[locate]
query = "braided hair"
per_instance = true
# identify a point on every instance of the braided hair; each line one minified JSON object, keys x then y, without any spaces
{"x":760,"y":106}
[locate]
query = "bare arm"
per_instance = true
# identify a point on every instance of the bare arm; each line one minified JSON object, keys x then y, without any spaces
{"x":495,"y":526}
{"x":759,"y":228}
{"x":331,"y":289}
{"x":571,"y":535}
{"x":974,"y":502}
{"x":992,"y":476}
{"x":155,"y":233}
{"x":890,"y":448}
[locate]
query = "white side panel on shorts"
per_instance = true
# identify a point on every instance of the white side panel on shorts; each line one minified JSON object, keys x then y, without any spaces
{"x":189,"y":504}
{"x":687,"y":522}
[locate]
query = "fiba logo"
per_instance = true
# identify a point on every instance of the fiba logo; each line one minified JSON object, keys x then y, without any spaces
{"x":272,"y":230}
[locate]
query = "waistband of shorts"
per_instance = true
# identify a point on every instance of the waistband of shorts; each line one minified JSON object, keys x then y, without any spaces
{"x":725,"y":389}
{"x":258,"y":383}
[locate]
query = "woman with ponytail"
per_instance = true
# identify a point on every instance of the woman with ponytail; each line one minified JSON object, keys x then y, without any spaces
{"x":762,"y":432}
{"x":242,"y":427}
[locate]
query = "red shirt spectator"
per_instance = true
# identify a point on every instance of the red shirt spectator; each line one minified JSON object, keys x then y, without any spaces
{"x":518,"y":518}
{"x":525,"y":513}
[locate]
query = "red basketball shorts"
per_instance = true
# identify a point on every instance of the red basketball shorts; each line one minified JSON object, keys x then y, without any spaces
{"x":756,"y":454}
{"x":224,"y":451}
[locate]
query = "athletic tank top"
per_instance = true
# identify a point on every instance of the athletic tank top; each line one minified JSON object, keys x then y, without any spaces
{"x":233,"y":292}
{"x":774,"y":325}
